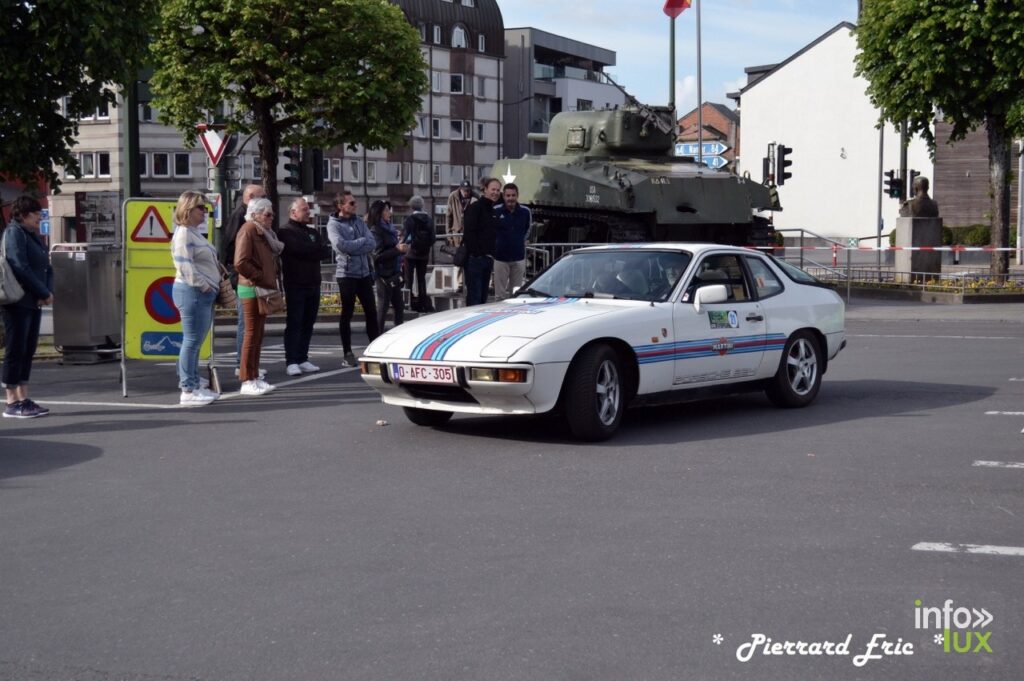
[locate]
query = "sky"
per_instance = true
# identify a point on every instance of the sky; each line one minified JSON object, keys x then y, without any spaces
{"x":735,"y":34}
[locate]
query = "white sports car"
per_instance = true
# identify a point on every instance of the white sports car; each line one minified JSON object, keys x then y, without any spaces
{"x":609,"y":326}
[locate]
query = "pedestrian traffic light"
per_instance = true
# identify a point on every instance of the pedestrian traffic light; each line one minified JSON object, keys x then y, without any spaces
{"x":293,"y":166}
{"x":781,"y":163}
{"x":893,"y":185}
{"x":318,"y":170}
{"x":911,"y":176}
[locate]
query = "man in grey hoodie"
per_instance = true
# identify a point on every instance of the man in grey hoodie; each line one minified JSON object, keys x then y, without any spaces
{"x":353,"y":244}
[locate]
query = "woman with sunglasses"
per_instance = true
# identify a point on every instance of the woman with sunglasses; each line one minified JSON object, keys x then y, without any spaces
{"x":196,"y":283}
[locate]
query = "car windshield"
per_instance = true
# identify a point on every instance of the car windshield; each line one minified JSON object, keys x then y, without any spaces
{"x":629,"y":274}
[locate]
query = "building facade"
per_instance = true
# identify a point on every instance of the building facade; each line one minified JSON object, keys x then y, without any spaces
{"x":813,"y":103}
{"x":545,"y":75}
{"x":721,"y":124}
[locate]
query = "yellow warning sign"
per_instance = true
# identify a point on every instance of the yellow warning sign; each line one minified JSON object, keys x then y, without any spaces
{"x":151,"y":319}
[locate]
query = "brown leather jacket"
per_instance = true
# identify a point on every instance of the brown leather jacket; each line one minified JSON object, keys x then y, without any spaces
{"x":255,"y":260}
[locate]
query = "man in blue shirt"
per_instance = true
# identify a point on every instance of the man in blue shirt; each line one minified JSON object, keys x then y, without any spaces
{"x":514,"y":222}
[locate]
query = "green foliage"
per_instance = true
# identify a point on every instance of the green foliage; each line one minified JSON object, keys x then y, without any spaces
{"x":55,"y":49}
{"x":317,"y":72}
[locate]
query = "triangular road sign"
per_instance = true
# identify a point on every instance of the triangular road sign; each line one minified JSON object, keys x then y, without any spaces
{"x":214,"y":145}
{"x":151,"y":228}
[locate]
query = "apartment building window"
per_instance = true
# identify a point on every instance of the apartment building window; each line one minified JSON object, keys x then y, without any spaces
{"x":103,"y":164}
{"x":584,"y":105}
{"x":353,"y":171}
{"x":145,"y":113}
{"x":87,"y":164}
{"x":479,"y":132}
{"x":406,"y":172}
{"x":327,"y":170}
{"x":161,"y":164}
{"x":458,"y":131}
{"x":421,"y":174}
{"x":423,"y":33}
{"x":435,"y":128}
{"x":481,"y":43}
{"x":436,"y":81}
{"x":371,"y":172}
{"x":435,"y":175}
{"x":103,"y":111}
{"x":394,"y":172}
{"x":143,"y":165}
{"x":421,"y":127}
{"x":481,"y":86}
{"x":467,"y":127}
{"x":336,"y":169}
{"x":437,"y":34}
{"x":459,"y":38}
{"x":456,"y":81}
{"x":183,"y":165}
{"x":468,"y":3}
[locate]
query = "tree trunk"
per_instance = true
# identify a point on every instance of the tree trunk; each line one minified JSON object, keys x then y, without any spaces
{"x":999,"y":179}
{"x":268,"y":155}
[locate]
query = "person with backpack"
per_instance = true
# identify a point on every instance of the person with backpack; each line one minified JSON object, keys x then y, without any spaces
{"x":419,"y":234}
{"x":387,"y":263}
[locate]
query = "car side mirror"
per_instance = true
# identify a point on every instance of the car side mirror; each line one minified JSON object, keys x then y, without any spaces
{"x":705,"y":295}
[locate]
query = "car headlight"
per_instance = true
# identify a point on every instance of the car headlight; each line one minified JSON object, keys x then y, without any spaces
{"x":497,"y":375}
{"x":504,"y":347}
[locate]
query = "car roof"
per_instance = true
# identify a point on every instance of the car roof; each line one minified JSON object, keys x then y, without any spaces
{"x":693,"y":247}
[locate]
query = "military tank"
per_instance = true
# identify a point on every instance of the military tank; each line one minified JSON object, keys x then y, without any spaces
{"x":610,"y":176}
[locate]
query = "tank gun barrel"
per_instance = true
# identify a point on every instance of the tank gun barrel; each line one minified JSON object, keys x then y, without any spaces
{"x":647,"y":112}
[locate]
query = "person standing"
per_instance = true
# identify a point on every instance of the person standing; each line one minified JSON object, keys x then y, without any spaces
{"x":480,"y":231}
{"x":196,"y":284}
{"x":514,"y":222}
{"x":256,"y":252}
{"x":29,"y":261}
{"x":419,"y":234}
{"x":458,"y":202}
{"x":304,"y":249}
{"x":387,"y":260}
{"x":353,"y":243}
{"x":227,"y":256}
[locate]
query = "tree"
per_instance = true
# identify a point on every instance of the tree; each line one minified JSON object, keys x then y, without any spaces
{"x":61,"y":49}
{"x":311,"y":72}
{"x":963,"y":58}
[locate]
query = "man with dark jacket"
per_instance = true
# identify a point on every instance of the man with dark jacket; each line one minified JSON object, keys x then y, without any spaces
{"x":480,"y":232}
{"x":304,"y":248}
{"x":419,"y":232}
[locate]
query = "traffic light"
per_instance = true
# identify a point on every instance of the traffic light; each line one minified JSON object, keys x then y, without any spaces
{"x":293,"y":167}
{"x":911,"y":176}
{"x":781,"y":163}
{"x":766,"y":170}
{"x":893,"y":185}
{"x":318,"y":170}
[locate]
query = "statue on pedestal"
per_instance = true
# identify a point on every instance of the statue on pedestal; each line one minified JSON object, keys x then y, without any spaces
{"x":922,"y":205}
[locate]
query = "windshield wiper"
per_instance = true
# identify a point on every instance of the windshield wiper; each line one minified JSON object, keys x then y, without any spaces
{"x":534,"y":292}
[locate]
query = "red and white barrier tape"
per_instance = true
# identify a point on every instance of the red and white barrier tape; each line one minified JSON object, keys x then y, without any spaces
{"x":948,"y":249}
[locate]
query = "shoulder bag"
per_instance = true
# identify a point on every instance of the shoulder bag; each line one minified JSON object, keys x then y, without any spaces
{"x":226,"y":296}
{"x":10,"y":290}
{"x":270,"y":301}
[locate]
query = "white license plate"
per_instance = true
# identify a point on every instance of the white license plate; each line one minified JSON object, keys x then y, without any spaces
{"x":418,"y":373}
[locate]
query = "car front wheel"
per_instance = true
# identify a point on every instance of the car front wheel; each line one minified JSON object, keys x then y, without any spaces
{"x":798,"y":378}
{"x":427,"y":417}
{"x":594,"y":400}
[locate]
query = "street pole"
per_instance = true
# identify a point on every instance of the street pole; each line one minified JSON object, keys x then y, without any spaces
{"x":1020,"y":202}
{"x":672,"y":64}
{"x":700,"y":103}
{"x":878,"y":214}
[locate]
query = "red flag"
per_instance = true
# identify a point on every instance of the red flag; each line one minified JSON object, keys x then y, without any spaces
{"x":674,"y":8}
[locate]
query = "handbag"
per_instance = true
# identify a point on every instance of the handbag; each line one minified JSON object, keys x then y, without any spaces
{"x":10,"y":290}
{"x":226,"y":296}
{"x":461,"y":256}
{"x":270,"y":301}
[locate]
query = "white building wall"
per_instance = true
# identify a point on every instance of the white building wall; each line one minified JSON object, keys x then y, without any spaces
{"x":602,"y":95}
{"x":815,"y":105}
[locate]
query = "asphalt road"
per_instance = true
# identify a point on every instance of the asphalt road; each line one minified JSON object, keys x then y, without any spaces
{"x":292,"y":537}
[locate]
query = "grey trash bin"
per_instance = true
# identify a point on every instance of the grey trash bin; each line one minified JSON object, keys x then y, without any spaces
{"x":87,"y":305}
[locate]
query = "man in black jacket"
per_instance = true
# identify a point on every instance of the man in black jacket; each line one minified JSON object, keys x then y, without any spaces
{"x":304,"y":248}
{"x":480,"y":231}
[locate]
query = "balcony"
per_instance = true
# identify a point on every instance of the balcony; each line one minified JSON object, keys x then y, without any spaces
{"x":548,"y":72}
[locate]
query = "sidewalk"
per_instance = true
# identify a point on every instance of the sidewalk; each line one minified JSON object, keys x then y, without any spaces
{"x":867,"y":309}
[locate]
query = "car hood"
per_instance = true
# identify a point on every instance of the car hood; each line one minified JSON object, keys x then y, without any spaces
{"x":492,"y":332}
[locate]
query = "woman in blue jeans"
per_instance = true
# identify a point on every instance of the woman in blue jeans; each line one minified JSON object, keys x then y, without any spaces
{"x":28,"y":259}
{"x":196,"y":284}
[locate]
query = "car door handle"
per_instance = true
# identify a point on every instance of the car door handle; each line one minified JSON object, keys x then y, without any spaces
{"x":755,"y":317}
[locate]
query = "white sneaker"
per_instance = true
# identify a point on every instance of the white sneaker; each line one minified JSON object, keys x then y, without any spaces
{"x":293,"y":370}
{"x":254,"y":388}
{"x":266,"y":386}
{"x":204,"y":383}
{"x":309,"y":368}
{"x":263,"y":373}
{"x":208,"y":392}
{"x":196,"y":398}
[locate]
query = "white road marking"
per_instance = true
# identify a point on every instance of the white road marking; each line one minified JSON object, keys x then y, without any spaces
{"x":1004,"y":413}
{"x":223,"y":396}
{"x":886,"y":335}
{"x":943,"y":547}
{"x":1017,"y":379}
{"x":998,"y":464}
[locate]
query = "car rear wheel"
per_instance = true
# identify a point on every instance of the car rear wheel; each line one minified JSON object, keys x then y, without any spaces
{"x":427,"y":417}
{"x":798,"y":379}
{"x":594,"y":394}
